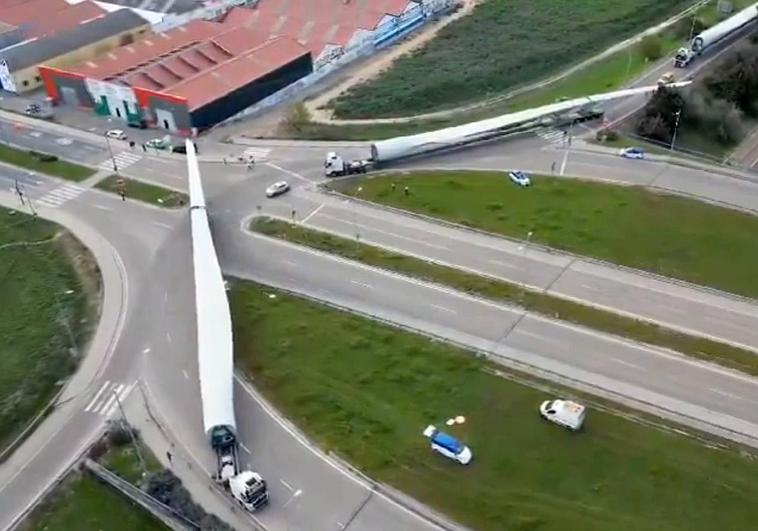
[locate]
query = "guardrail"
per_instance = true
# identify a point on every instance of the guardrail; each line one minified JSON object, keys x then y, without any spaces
{"x":163,"y":512}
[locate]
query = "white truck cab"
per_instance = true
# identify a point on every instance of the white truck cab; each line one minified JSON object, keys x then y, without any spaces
{"x":564,"y":413}
{"x":249,"y":489}
{"x":336,"y":166}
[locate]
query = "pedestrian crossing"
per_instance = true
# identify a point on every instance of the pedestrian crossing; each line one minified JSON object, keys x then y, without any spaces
{"x":60,"y":195}
{"x":258,"y":153}
{"x":123,"y":160}
{"x":552,"y":136}
{"x":107,"y":398}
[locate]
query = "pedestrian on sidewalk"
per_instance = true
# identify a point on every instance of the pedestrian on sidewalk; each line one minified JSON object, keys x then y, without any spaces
{"x":552,"y":167}
{"x":169,"y":456}
{"x":122,"y":194}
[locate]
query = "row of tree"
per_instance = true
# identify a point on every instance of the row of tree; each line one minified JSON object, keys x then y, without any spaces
{"x":715,"y":106}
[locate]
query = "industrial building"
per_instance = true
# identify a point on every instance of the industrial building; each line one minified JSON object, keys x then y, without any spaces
{"x":184,"y":80}
{"x":67,"y":34}
{"x":329,"y":27}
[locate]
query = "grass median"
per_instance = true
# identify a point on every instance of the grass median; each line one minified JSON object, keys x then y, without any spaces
{"x":51,"y":293}
{"x":141,"y":191}
{"x":547,"y":305}
{"x":44,"y":163}
{"x":366,"y":391}
{"x":629,"y":225}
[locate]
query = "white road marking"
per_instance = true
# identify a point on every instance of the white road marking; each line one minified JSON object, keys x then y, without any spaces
{"x":732,"y":395}
{"x":112,"y":393}
{"x":168,"y":336}
{"x":101,"y":207}
{"x":289,"y":263}
{"x":565,"y":161}
{"x":288,"y":172}
{"x":146,"y":350}
{"x":289,"y":487}
{"x":246,"y":448}
{"x":58,"y":196}
{"x":161,"y":225}
{"x":186,"y":376}
{"x":315,"y":211}
{"x":628,"y":364}
{"x":121,"y":397}
{"x":503,"y":264}
{"x":444,"y":309}
{"x":362,"y":284}
{"x":97,"y":395}
{"x":367,"y":228}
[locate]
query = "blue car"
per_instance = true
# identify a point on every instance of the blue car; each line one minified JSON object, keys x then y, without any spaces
{"x":448,"y":445}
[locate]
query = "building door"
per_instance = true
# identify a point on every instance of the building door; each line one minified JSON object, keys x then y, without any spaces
{"x":69,"y":97}
{"x":165,"y":119}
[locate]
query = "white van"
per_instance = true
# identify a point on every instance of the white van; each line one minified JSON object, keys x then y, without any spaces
{"x":564,"y":413}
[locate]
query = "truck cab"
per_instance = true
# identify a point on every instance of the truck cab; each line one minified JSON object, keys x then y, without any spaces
{"x":683,"y":57}
{"x":250,"y":490}
{"x":335,"y":166}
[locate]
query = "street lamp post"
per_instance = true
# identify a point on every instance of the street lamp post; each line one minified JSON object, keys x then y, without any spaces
{"x":676,"y":128}
{"x":128,"y":427}
{"x":110,"y":152}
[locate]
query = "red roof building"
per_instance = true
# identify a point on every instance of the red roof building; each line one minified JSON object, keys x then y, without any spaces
{"x":191,"y":77}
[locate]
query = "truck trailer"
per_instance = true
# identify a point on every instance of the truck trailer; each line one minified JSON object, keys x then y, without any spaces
{"x":707,"y":38}
{"x":215,"y":354}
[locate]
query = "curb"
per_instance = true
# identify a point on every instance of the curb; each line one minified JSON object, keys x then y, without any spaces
{"x":540,"y":247}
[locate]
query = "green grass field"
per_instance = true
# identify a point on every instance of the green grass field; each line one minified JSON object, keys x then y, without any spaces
{"x":367,"y":391}
{"x":674,"y":236}
{"x":82,"y":503}
{"x":148,"y":193}
{"x":534,"y":301}
{"x":501,"y":45}
{"x":57,"y":168}
{"x":48,"y":312}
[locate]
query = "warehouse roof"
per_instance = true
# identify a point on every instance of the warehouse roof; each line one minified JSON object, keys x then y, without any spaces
{"x":39,"y":50}
{"x":38,"y":18}
{"x":160,"y":6}
{"x":316,"y":23}
{"x":145,"y":52}
{"x":238,"y":72}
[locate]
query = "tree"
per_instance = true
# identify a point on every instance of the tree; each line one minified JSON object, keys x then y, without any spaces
{"x":297,"y":117}
{"x":651,"y":47}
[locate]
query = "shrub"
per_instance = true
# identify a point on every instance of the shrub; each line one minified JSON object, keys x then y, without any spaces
{"x":651,"y":47}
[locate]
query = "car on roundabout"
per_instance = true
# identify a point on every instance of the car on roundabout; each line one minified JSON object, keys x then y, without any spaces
{"x":632,"y":153}
{"x":278,"y":188}
{"x":116,"y":134}
{"x":520,"y":178}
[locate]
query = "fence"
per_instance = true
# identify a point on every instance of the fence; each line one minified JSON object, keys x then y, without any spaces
{"x":163,"y":512}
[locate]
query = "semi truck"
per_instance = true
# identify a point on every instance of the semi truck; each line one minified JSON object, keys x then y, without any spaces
{"x":707,"y":38}
{"x":247,"y":488}
{"x":215,"y":354}
{"x":336,"y":166}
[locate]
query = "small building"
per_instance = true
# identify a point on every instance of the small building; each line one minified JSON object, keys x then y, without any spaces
{"x":184,"y":80}
{"x":59,"y":47}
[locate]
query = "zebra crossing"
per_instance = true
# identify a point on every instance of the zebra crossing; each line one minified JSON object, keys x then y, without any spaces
{"x":258,"y":153}
{"x":107,"y":398}
{"x":123,"y":160}
{"x":56,"y":197}
{"x":552,"y":136}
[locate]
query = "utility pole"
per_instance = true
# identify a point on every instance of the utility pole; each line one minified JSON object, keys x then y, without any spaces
{"x":131,"y":434}
{"x":110,"y":152}
{"x":676,"y":128}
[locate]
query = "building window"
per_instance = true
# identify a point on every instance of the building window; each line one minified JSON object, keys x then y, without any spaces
{"x":38,"y":79}
{"x":25,"y":83}
{"x":126,"y":39}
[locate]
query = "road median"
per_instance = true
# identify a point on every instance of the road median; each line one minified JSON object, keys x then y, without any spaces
{"x":519,"y":295}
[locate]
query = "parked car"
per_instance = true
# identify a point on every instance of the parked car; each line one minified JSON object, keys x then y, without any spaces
{"x":116,"y":134}
{"x":448,"y":445}
{"x":632,"y":153}
{"x":565,"y":413}
{"x":520,"y":178}
{"x":666,"y":78}
{"x":278,"y":188}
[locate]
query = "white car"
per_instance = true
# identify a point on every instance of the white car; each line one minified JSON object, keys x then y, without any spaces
{"x":520,"y":178}
{"x":278,"y":188}
{"x":564,"y":413}
{"x":632,"y":153}
{"x":448,"y":445}
{"x":117,"y":134}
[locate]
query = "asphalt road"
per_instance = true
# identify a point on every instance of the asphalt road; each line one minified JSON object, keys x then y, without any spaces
{"x":156,"y":342}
